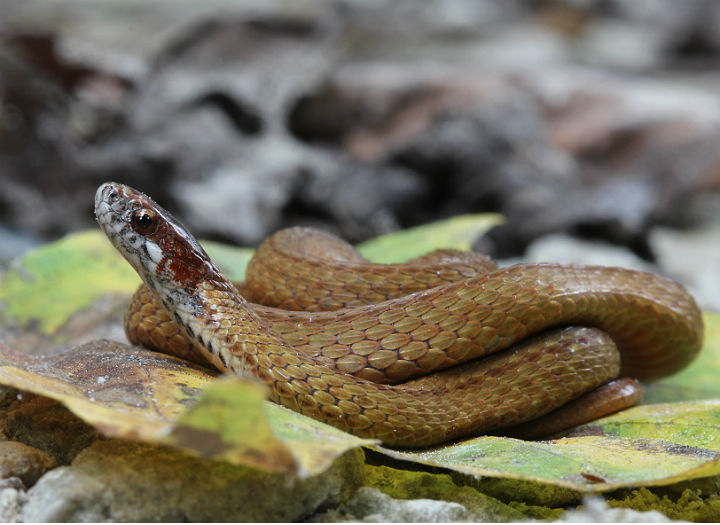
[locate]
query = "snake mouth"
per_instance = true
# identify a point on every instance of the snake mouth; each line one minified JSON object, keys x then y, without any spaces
{"x":103,"y":211}
{"x":114,"y":204}
{"x":102,"y":192}
{"x":100,"y":204}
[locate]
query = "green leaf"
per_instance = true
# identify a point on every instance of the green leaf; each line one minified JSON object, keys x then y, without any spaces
{"x":690,"y":423}
{"x":231,"y":260}
{"x":457,"y":233}
{"x":642,"y":446}
{"x":55,"y":281}
{"x":700,"y":379}
{"x":52,"y":283}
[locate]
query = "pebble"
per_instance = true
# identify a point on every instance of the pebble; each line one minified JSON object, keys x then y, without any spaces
{"x":18,"y":460}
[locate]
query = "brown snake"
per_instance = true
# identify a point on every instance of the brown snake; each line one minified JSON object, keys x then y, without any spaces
{"x":334,"y":366}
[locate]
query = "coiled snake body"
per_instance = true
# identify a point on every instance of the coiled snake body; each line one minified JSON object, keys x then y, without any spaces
{"x":362,"y":368}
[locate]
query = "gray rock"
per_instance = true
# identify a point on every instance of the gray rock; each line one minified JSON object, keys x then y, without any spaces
{"x":693,"y":258}
{"x":373,"y":506}
{"x":370,"y":504}
{"x":12,"y":498}
{"x":689,"y":257}
{"x":242,"y":199}
{"x":676,"y":25}
{"x":115,"y":480}
{"x":560,"y":248}
{"x":18,"y":460}
{"x":595,"y":510}
{"x":621,"y":44}
{"x":13,"y":245}
{"x":415,"y":485}
{"x":363,"y":200}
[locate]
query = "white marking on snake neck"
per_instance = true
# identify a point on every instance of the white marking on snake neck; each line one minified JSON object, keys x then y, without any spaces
{"x":154,"y":251}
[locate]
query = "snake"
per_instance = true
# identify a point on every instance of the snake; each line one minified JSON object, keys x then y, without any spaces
{"x":487,"y":350}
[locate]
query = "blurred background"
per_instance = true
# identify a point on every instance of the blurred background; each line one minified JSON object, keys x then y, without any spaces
{"x":593,"y":126}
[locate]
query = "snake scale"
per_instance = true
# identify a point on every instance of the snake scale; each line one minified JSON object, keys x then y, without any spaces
{"x":440,"y":348}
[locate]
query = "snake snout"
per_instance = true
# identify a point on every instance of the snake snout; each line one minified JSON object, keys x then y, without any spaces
{"x":103,"y":200}
{"x":106,"y":194}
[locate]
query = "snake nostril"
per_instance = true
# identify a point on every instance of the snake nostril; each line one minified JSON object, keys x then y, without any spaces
{"x":112,"y":195}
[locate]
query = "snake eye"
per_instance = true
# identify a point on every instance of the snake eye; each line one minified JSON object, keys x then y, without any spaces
{"x":144,"y":221}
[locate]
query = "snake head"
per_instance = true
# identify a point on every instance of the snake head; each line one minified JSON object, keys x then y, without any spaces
{"x":151,"y":239}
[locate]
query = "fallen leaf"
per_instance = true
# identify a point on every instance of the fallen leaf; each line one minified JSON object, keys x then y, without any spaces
{"x":124,"y":391}
{"x":133,"y":393}
{"x":642,"y":446}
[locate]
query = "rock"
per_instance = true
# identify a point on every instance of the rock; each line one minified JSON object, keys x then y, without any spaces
{"x":223,"y":62}
{"x":620,"y":44}
{"x":13,"y":245}
{"x":115,"y":480}
{"x":412,"y":485}
{"x":686,"y":32}
{"x":371,"y":505}
{"x":595,"y":510}
{"x":21,"y":461}
{"x":242,"y":198}
{"x":357,"y":199}
{"x":575,"y":151}
{"x":560,"y":248}
{"x":692,"y":258}
{"x":12,"y":499}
